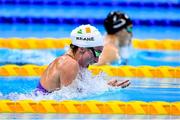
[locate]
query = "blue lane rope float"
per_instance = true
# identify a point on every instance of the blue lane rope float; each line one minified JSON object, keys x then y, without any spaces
{"x":92,"y":3}
{"x":61,"y":20}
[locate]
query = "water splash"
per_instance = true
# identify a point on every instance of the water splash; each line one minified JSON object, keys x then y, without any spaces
{"x":84,"y":85}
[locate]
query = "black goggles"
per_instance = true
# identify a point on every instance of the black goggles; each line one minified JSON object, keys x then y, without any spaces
{"x":96,"y":53}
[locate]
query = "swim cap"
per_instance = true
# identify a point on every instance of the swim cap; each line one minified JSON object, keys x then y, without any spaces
{"x":86,"y":36}
{"x":116,"y":21}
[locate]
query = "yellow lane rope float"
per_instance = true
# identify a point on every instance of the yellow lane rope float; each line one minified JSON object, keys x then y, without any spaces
{"x":121,"y":71}
{"x":152,"y":44}
{"x":47,"y":43}
{"x":34,"y":43}
{"x":90,"y":107}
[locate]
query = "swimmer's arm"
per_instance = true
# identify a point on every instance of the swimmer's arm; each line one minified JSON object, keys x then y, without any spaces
{"x":68,"y":73}
{"x":107,"y":56}
{"x":116,"y":83}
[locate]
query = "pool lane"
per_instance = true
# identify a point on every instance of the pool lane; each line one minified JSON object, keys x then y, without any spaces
{"x":46,"y":56}
{"x":140,"y":89}
{"x":63,"y":30}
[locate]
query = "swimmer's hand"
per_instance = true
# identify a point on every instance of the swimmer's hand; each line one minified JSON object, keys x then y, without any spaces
{"x":116,"y":83}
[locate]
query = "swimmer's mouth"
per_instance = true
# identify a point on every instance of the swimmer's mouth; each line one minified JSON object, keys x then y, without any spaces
{"x":92,"y":62}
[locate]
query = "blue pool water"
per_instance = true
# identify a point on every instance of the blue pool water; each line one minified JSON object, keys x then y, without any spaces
{"x":85,"y":116}
{"x":44,"y":57}
{"x":16,"y":88}
{"x":158,"y":19}
{"x":63,"y":30}
{"x":22,"y":57}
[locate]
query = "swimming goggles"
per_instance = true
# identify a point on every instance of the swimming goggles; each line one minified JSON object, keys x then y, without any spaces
{"x":96,"y":53}
{"x":129,"y":29}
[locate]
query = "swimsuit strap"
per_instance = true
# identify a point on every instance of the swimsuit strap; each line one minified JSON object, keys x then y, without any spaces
{"x":70,"y":56}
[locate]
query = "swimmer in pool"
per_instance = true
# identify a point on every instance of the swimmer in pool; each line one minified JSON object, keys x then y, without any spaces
{"x":119,"y":34}
{"x":85,"y":49}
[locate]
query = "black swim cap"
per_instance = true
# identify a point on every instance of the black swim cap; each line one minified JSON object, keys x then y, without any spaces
{"x":116,"y":21}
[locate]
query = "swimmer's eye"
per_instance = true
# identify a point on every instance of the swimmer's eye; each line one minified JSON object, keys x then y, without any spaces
{"x":96,"y":53}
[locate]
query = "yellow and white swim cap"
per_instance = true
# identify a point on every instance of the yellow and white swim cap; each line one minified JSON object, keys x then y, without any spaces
{"x":86,"y":36}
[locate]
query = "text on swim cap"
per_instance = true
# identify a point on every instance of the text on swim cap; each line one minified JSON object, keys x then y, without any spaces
{"x":85,"y":38}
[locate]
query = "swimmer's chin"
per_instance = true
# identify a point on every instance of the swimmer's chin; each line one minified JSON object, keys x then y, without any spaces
{"x":84,"y":66}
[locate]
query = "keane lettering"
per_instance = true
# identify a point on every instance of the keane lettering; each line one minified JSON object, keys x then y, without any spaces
{"x":85,"y":38}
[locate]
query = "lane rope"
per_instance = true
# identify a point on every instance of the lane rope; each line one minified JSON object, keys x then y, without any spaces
{"x":149,"y":4}
{"x":121,"y":71}
{"x":70,"y":21}
{"x":90,"y":107}
{"x":48,"y":43}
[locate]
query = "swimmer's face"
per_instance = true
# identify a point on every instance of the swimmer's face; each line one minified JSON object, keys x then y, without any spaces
{"x":89,"y":56}
{"x":124,"y":36}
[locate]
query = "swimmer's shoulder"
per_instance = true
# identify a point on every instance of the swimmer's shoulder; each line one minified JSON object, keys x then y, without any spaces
{"x":110,"y":49}
{"x":109,"y":46}
{"x":66,"y":62}
{"x":109,"y":54}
